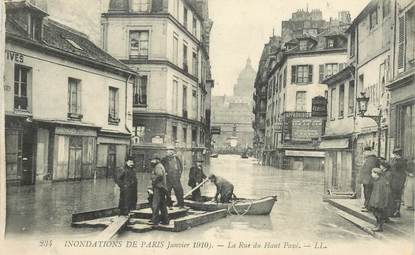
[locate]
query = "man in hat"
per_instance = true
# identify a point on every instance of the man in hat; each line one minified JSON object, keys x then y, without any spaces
{"x":223,"y":188}
{"x":398,"y":172}
{"x":196,"y":176}
{"x":159,"y":184}
{"x":371,"y":161}
{"x":126,"y":179}
{"x":174,"y":169}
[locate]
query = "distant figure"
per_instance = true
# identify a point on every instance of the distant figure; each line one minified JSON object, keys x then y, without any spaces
{"x":398,"y":170}
{"x":371,"y":161}
{"x":409,"y":195}
{"x":380,"y":198}
{"x":174,"y":169}
{"x":127,"y":181}
{"x":223,"y":188}
{"x":196,"y":176}
{"x":159,"y":190}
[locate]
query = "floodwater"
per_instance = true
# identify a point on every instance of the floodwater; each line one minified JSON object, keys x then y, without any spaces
{"x":299,"y":213}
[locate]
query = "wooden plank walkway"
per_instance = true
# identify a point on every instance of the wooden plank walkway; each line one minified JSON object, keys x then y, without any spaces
{"x":147,"y":213}
{"x":112,"y":230}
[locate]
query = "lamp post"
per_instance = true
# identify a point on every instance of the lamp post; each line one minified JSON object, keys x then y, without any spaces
{"x":362,"y":103}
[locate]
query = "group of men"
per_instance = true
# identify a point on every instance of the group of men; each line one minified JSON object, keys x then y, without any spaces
{"x":166,"y":176}
{"x":397,"y":172}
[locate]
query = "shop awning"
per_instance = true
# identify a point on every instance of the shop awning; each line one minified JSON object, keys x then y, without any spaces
{"x":335,"y":144}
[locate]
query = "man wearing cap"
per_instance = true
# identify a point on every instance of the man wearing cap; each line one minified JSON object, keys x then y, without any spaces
{"x":398,"y":171}
{"x":196,"y":176}
{"x":371,"y":161}
{"x":126,"y":179}
{"x":158,"y":181}
{"x":223,"y":188}
{"x":174,"y":169}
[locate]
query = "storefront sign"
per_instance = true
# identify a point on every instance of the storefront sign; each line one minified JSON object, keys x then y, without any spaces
{"x":306,"y":129}
{"x":75,"y":131}
{"x":319,"y":107}
{"x":316,"y":154}
{"x":14,"y":56}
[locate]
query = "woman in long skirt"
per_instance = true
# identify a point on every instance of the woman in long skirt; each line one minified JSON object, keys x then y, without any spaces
{"x":409,"y":192}
{"x":380,"y":198}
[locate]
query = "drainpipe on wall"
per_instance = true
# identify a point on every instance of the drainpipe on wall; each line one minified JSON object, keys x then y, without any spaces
{"x":2,"y":131}
{"x":126,"y":111}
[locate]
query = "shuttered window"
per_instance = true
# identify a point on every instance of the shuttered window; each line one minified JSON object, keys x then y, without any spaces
{"x":321,"y":72}
{"x":401,"y":43}
{"x":302,"y":74}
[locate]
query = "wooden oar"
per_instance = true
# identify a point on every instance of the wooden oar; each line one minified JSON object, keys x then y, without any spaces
{"x":195,"y":188}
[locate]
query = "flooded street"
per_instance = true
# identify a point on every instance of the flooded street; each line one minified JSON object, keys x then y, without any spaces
{"x":299,"y":213}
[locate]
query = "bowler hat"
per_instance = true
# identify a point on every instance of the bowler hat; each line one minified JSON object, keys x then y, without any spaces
{"x":129,"y":158}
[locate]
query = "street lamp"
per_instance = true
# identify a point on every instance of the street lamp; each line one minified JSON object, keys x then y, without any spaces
{"x":362,"y":103}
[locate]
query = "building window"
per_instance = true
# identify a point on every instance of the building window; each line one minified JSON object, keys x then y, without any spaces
{"x":194,"y":103}
{"x":74,"y":102}
{"x":351,"y":98}
{"x":140,"y":91}
{"x":330,"y":43}
{"x":113,"y":105}
{"x":175,"y":95}
{"x":303,"y":45}
{"x":195,"y":64}
{"x":35,"y":28}
{"x":300,"y":101}
{"x":341,"y":101}
{"x":333,"y":103}
{"x":185,"y":135}
{"x":386,"y":8}
{"x":139,"y":44}
{"x":194,"y":26}
{"x":406,"y":45}
{"x":330,"y":69}
{"x":373,"y":18}
{"x":194,"y":137}
{"x":141,"y":5}
{"x":174,"y":134}
{"x":175,"y":50}
{"x":185,"y":16}
{"x":185,"y":63}
{"x":185,"y":114}
{"x":302,"y":74}
{"x":21,"y":75}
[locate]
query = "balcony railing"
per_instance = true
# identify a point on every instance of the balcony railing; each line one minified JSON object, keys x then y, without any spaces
{"x":20,"y":103}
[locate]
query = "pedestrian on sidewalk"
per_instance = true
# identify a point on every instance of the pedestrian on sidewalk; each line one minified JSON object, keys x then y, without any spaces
{"x":174,"y":169}
{"x":126,"y":179}
{"x":196,"y":176}
{"x":409,"y":193}
{"x":159,"y":190}
{"x":380,"y":198}
{"x":398,"y":170}
{"x":371,"y":161}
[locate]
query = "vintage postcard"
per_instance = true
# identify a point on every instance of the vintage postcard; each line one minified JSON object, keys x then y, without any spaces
{"x":207,"y":126}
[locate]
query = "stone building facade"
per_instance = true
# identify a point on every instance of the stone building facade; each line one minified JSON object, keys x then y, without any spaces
{"x":167,"y":41}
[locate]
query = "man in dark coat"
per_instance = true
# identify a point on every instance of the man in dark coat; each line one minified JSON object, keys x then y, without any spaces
{"x":371,"y":161}
{"x":398,"y":171}
{"x":159,"y":184}
{"x":127,"y":181}
{"x":174,"y":169}
{"x":196,"y":176}
{"x":223,"y":188}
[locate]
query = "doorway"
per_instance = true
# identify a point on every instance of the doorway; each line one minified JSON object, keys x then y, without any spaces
{"x":111,"y":163}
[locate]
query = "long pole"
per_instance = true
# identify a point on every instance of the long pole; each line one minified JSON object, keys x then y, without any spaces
{"x":195,"y":188}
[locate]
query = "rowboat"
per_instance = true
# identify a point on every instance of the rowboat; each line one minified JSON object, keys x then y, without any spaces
{"x":241,"y":206}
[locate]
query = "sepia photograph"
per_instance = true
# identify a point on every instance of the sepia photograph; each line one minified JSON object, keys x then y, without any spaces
{"x":207,"y":127}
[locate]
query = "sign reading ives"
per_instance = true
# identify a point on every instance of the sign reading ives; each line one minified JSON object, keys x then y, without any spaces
{"x":306,"y":129}
{"x":14,"y":56}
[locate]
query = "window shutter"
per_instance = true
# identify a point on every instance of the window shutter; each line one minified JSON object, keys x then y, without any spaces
{"x":293,"y":74}
{"x":310,"y":74}
{"x":401,"y":43}
{"x":321,"y":72}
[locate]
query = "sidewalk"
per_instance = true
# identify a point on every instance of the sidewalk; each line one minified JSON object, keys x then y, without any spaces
{"x":402,"y":227}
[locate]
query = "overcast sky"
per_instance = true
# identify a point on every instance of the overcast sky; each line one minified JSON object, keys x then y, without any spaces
{"x":242,"y":27}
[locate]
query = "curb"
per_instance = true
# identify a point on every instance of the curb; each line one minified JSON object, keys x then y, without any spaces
{"x":359,"y":218}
